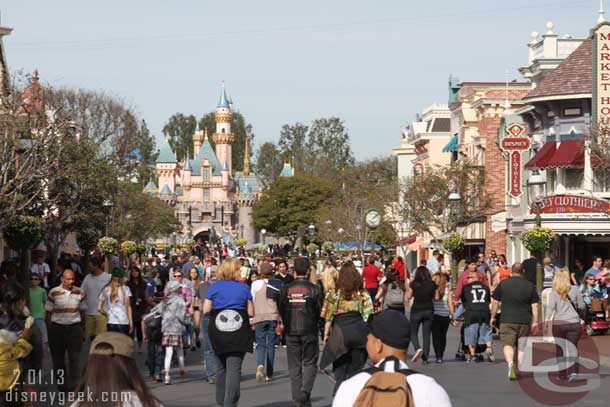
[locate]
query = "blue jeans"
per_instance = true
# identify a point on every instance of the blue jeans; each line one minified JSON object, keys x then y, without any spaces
{"x":208,"y":353}
{"x":156,"y":354}
{"x":265,"y":344}
{"x":480,"y":333}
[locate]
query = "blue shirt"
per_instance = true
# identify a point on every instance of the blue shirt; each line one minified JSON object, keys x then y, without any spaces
{"x":226,"y":294}
{"x":186,"y":267}
{"x":592,"y":272}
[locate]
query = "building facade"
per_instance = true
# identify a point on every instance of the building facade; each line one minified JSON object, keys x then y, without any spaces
{"x":208,"y":196}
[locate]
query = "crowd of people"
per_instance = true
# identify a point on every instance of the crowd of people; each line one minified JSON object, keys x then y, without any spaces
{"x":232,"y":306}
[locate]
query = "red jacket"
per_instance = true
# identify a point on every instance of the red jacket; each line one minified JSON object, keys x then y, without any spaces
{"x":400,"y":267}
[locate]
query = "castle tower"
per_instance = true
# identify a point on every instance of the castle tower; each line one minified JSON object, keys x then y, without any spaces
{"x":223,"y":138}
{"x":166,"y":167}
{"x":197,"y":140}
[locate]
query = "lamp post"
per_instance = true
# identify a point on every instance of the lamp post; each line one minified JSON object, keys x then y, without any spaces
{"x":536,"y":188}
{"x":108,"y":205}
{"x":263,"y":233}
{"x":241,"y":231}
{"x":454,"y":201}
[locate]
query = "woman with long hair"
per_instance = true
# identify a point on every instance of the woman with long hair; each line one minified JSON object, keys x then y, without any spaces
{"x":563,"y":312}
{"x":443,"y":314}
{"x":329,"y":278}
{"x":193,"y":329}
{"x":391,"y":292}
{"x":229,"y":304}
{"x":112,"y":370}
{"x":115,"y":304}
{"x":140,"y":301}
{"x":422,"y":290}
{"x":346,"y":312}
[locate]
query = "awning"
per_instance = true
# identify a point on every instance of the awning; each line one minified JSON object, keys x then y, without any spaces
{"x":542,"y":156}
{"x":452,"y":146}
{"x":570,"y":154}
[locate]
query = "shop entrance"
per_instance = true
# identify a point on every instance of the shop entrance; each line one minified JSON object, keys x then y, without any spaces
{"x":585,"y":248}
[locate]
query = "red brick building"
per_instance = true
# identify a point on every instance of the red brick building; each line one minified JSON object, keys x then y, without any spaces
{"x":477,"y":109}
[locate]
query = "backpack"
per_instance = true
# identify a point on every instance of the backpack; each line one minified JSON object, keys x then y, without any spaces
{"x":385,"y":389}
{"x":152,"y":324}
{"x":274,"y":287}
{"x":394,"y":297}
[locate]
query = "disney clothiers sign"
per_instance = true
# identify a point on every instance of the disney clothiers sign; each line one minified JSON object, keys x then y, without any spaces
{"x":571,"y":204}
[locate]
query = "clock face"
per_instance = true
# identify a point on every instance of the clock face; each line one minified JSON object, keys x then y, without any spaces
{"x":373,"y":218}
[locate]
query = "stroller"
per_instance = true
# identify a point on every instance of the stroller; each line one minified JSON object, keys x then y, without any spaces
{"x":595,"y":317}
{"x":463,"y":350}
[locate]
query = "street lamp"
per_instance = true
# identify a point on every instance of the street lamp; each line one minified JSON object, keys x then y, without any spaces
{"x":312,"y":229}
{"x":107,"y":205}
{"x":241,"y":231}
{"x":536,"y":188}
{"x":263,"y":233}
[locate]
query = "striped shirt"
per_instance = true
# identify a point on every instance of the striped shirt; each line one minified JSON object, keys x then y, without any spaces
{"x":65,"y":306}
{"x":441,"y":307}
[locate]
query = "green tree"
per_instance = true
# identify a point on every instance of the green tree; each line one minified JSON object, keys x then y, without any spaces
{"x":291,"y":203}
{"x":179,"y":131}
{"x":242,"y":131}
{"x":292,"y":144}
{"x":138,"y":216}
{"x":147,"y":155}
{"x":328,"y":147}
{"x":268,"y":163}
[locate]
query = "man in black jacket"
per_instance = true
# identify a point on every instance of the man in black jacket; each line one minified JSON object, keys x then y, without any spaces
{"x":299,"y":306}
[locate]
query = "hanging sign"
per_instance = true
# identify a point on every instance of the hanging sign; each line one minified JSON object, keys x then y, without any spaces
{"x":601,"y":76}
{"x":514,"y":144}
{"x":571,"y":204}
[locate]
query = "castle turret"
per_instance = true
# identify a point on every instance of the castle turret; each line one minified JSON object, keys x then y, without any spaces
{"x":224,"y":173}
{"x":223,"y":138}
{"x":198,"y":137}
{"x":188,"y":171}
{"x":166,"y":168}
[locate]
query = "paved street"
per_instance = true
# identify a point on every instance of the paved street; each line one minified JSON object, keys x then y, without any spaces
{"x":481,"y":384}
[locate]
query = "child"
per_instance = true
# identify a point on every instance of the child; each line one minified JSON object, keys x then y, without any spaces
{"x":173,"y":326}
{"x":13,"y":348}
{"x":38,"y":297}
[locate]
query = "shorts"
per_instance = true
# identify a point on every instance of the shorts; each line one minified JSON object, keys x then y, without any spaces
{"x":482,"y":331}
{"x":95,"y":325}
{"x":510,"y":333}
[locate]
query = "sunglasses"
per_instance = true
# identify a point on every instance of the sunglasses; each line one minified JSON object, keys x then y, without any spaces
{"x":177,"y":275}
{"x":34,"y":278}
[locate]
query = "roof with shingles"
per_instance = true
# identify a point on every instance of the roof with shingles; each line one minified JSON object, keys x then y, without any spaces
{"x":572,"y":77}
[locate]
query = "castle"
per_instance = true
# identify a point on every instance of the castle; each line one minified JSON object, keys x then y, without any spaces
{"x":208,"y":196}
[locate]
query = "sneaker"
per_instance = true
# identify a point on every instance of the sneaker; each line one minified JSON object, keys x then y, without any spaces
{"x":512,"y":372}
{"x":259,"y":373}
{"x":417,"y":355}
{"x":284,"y":346}
{"x":490,"y":355}
{"x":439,"y":360}
{"x":268,"y":378}
{"x":469,"y":358}
{"x":211,"y":381}
{"x":167,"y":380}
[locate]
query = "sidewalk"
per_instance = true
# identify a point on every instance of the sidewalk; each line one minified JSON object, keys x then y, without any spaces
{"x":602,"y":342}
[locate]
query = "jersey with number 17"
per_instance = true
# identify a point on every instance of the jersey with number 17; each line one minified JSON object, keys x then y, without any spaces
{"x":476,"y":298}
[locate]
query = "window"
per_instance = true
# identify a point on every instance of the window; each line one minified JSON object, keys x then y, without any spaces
{"x":206,"y":194}
{"x":572,"y":111}
{"x":573,"y":178}
{"x":206,"y":173}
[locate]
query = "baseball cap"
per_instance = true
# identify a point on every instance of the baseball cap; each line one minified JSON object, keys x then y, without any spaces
{"x":121,"y":345}
{"x":392,"y":328}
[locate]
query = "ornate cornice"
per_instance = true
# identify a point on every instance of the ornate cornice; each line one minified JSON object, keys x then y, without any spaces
{"x":223,"y":138}
{"x":223,"y":117}
{"x":206,"y":184}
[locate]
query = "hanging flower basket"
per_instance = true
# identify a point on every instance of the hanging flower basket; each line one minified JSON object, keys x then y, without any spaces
{"x":241,"y":242}
{"x":108,"y":245}
{"x":261,"y":248}
{"x":128,"y":247}
{"x":538,"y":239}
{"x":190,"y":243}
{"x":140,"y":249}
{"x":23,"y":232}
{"x":312,"y":248}
{"x":328,"y":247}
{"x":453,"y":243}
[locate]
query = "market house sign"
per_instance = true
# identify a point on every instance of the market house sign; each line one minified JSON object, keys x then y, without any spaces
{"x":571,"y":204}
{"x":601,"y":75}
{"x":514,"y":144}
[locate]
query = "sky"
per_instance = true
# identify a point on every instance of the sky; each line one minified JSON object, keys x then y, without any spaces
{"x":374,"y":64}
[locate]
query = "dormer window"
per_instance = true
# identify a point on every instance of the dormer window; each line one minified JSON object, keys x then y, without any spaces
{"x":206,"y":194}
{"x":223,"y":130}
